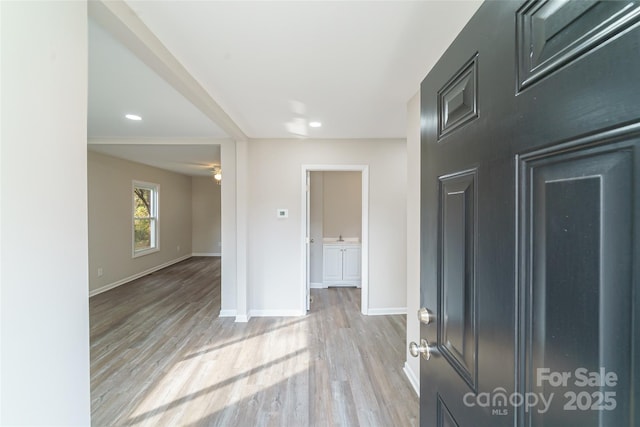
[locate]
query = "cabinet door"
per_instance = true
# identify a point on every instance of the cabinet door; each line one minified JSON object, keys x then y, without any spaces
{"x":332,"y":264}
{"x":351,"y":264}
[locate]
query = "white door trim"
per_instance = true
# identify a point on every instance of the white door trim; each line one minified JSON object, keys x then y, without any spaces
{"x":364,"y":169}
{"x":307,"y":235}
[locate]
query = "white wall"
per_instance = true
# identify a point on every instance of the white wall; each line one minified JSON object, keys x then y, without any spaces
{"x":44,"y":315}
{"x":206,"y":234}
{"x":274,"y":244}
{"x":229,"y":265}
{"x":413,"y":234}
{"x":110,"y":210}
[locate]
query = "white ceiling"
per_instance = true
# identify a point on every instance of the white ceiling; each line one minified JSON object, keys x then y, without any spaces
{"x":352,"y":65}
{"x":187,"y":159}
{"x":120,"y":83}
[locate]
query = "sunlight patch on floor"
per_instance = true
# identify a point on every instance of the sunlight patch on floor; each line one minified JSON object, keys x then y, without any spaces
{"x":209,"y":380}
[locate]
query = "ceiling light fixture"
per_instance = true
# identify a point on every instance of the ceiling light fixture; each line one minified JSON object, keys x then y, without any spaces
{"x":315,"y":124}
{"x":133,"y":117}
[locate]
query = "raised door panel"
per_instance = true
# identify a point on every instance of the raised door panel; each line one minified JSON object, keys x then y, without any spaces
{"x":552,"y":33}
{"x":578,"y":285}
{"x":457,"y":337}
{"x":445,"y":418}
{"x":458,"y":99}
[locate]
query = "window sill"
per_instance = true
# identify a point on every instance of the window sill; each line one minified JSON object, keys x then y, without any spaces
{"x":143,"y":252}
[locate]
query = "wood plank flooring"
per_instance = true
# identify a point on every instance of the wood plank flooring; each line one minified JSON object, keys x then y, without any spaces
{"x":160,"y":356}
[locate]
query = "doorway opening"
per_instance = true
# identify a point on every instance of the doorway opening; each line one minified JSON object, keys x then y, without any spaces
{"x":343,"y":237}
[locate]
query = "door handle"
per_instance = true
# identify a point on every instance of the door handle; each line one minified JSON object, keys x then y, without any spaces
{"x":424,"y":348}
{"x":426,"y":316}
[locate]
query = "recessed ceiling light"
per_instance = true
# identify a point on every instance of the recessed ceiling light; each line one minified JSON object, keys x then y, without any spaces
{"x":315,"y":124}
{"x":133,"y":117}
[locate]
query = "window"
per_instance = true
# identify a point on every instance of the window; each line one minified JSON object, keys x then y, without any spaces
{"x":145,"y":218}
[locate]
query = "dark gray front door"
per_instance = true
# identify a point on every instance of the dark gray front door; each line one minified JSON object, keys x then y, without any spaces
{"x":530,"y":258}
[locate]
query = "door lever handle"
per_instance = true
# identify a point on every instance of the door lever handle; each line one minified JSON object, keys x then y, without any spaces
{"x":424,"y":348}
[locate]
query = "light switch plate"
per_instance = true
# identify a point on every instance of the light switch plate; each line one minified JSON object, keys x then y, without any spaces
{"x":283,"y":213}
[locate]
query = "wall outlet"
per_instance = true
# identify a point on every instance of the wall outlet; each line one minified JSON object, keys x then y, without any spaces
{"x":100,"y":271}
{"x":178,"y":248}
{"x":282,"y":213}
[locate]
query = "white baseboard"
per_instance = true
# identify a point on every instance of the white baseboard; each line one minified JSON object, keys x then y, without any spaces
{"x":277,"y":313}
{"x":206,"y":254}
{"x":415,"y":381}
{"x":313,"y":285}
{"x":242,"y":318}
{"x":386,"y":311}
{"x":136,"y":276}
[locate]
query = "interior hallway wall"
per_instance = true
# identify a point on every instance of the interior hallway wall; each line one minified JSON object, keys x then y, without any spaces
{"x":342,"y":207}
{"x":110,"y":219}
{"x":44,"y":309}
{"x":206,"y":234}
{"x":274,"y":244}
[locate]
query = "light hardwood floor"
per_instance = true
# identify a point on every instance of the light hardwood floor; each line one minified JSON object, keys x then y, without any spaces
{"x":160,"y":356}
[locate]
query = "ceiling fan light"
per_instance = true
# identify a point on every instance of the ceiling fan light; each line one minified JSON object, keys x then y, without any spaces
{"x":217,"y":174}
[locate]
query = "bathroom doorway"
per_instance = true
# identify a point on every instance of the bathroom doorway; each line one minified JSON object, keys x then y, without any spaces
{"x":335,"y":229}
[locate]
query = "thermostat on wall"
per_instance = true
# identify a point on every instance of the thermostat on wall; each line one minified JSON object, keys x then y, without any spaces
{"x":283,"y":213}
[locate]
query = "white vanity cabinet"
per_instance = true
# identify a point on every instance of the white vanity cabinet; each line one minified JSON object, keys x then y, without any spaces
{"x":341,"y":264}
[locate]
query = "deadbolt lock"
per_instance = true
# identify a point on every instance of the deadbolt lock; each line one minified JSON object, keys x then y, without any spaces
{"x":426,"y":316}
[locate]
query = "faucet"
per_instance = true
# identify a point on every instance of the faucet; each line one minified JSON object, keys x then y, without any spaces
{"x":340,"y":239}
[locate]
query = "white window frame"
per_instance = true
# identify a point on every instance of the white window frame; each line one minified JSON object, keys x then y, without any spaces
{"x":155,"y":217}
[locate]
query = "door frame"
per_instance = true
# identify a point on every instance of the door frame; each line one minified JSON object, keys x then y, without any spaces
{"x":364,"y":170}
